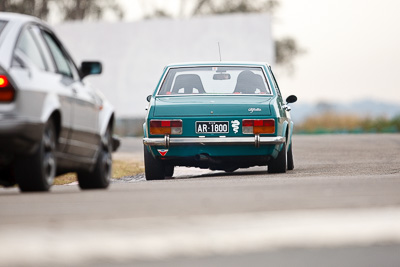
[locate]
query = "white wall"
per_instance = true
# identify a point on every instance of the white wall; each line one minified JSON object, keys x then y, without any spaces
{"x":134,"y":54}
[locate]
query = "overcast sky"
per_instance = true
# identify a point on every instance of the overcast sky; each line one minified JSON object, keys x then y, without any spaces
{"x":352,"y":47}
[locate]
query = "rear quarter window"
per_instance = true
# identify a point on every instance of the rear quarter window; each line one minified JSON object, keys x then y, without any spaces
{"x":60,"y":59}
{"x":2,"y":25}
{"x":28,"y":45}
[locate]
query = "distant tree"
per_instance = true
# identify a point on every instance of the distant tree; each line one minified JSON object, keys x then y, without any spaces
{"x":37,"y":8}
{"x":234,"y":6}
{"x":69,"y":9}
{"x":286,"y":49}
{"x":88,"y":9}
{"x":157,"y":13}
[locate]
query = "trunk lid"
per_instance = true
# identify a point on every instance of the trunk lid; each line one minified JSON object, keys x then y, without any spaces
{"x":234,"y":105}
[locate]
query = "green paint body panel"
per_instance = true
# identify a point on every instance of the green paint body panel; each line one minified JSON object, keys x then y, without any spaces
{"x":211,"y":106}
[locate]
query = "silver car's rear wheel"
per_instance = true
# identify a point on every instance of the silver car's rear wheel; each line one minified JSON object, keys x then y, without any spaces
{"x":100,"y":177}
{"x":36,"y":172}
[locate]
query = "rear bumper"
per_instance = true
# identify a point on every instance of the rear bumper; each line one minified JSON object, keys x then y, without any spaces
{"x":19,"y":136}
{"x":256,"y":140}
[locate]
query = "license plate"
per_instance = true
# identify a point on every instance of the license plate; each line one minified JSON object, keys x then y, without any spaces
{"x":212,"y":127}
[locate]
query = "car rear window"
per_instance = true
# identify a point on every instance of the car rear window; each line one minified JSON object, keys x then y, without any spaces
{"x":2,"y":25}
{"x":231,"y":80}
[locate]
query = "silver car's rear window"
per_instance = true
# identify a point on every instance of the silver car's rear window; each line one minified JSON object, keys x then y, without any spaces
{"x":2,"y":25}
{"x":227,"y":80}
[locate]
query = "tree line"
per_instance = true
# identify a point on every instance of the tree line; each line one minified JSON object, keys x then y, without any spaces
{"x":68,"y":9}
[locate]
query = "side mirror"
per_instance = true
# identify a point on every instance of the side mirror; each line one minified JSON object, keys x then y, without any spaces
{"x":90,"y":68}
{"x":291,"y":99}
{"x":148,"y":98}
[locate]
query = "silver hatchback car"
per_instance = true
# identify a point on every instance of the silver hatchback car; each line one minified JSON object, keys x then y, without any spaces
{"x":51,"y":120}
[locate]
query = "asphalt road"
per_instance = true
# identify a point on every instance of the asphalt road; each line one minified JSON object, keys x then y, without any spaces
{"x":339,"y":207}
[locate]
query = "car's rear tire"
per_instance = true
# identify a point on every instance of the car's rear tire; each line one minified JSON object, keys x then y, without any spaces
{"x":169,"y":170}
{"x":36,"y":172}
{"x":278,"y":165}
{"x":290,"y":163}
{"x":7,"y":177}
{"x":100,"y":177}
{"x":154,"y":169}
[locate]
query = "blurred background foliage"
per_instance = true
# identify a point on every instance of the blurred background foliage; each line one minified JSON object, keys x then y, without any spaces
{"x":67,"y":9}
{"x":333,"y":122}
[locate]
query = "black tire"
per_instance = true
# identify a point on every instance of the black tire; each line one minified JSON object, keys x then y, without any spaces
{"x":7,"y":177}
{"x":278,"y":165}
{"x":36,"y":172}
{"x":290,"y":163}
{"x":169,"y":170}
{"x":100,"y":177}
{"x":154,"y":169}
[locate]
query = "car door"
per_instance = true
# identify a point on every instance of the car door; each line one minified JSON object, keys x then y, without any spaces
{"x":33,"y":70}
{"x":83,"y":139}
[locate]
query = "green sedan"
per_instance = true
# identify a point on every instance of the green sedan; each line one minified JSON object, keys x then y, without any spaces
{"x":219,"y":116}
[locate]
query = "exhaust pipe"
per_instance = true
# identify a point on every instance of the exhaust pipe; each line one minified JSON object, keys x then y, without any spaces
{"x":202,"y":157}
{"x":207,"y":158}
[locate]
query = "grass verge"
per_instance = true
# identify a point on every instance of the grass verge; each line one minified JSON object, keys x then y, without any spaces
{"x":121,"y":168}
{"x":333,"y":122}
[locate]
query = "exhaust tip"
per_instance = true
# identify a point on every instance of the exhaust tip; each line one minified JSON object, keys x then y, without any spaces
{"x":202,"y":157}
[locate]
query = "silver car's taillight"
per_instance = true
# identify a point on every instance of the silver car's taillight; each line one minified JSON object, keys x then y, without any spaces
{"x":7,"y":91}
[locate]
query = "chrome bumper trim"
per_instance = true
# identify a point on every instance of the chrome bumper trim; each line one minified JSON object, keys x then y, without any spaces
{"x":181,"y":141}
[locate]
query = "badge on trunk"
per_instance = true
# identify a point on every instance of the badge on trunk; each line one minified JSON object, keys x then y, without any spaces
{"x":162,"y":152}
{"x":235,"y":126}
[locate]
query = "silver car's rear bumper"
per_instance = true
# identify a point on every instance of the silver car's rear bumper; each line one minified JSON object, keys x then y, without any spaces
{"x":19,"y":136}
{"x":179,"y":141}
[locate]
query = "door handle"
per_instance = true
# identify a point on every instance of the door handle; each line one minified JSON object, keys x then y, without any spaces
{"x":74,"y":91}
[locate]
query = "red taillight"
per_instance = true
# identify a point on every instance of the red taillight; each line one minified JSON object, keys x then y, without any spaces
{"x":3,"y":81}
{"x":7,"y":92}
{"x":165,"y":123}
{"x":258,"y":126}
{"x":164,"y":127}
{"x":247,"y":123}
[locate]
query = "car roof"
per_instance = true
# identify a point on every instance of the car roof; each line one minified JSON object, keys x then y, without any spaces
{"x":9,"y":34}
{"x":217,"y":63}
{"x":18,"y":17}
